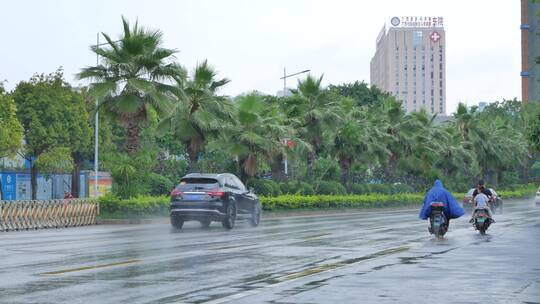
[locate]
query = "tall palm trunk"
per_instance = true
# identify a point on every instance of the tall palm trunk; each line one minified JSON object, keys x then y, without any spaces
{"x":277,"y":168}
{"x":133,"y":133}
{"x":33,"y":179}
{"x":345,"y":164}
{"x":193,"y":157}
{"x":1,"y":193}
{"x":76,"y":174}
{"x":310,"y":160}
{"x":242,"y":174}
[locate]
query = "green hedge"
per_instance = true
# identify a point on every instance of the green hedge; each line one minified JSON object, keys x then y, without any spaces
{"x":340,"y":201}
{"x":111,"y":206}
{"x":151,"y":206}
{"x":265,"y":187}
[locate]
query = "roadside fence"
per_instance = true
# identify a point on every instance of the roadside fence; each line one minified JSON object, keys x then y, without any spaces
{"x":25,"y":215}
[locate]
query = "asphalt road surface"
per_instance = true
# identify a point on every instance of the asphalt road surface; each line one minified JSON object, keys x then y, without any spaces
{"x":384,"y":256}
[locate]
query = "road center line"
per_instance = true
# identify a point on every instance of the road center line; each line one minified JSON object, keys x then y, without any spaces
{"x":91,"y":267}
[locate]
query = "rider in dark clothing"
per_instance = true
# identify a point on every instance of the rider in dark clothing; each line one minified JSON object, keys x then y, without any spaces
{"x":486,"y":191}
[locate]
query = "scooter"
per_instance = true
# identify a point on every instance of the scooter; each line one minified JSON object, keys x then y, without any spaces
{"x":438,"y":223}
{"x":481,"y":220}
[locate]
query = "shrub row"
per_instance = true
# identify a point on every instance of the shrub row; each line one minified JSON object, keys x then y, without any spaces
{"x":341,"y":201}
{"x":267,"y":187}
{"x":111,"y":206}
{"x":150,"y":206}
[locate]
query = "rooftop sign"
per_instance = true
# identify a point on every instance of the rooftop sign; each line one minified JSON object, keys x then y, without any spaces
{"x":416,"y":21}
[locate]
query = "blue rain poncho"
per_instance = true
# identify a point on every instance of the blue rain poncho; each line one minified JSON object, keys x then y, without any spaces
{"x":452,"y":208}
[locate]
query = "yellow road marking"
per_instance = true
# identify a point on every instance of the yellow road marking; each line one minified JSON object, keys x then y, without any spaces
{"x":90,"y":267}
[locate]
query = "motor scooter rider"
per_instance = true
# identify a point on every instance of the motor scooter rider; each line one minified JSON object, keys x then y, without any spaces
{"x":481,"y":202}
{"x":438,"y":193}
{"x":481,"y":188}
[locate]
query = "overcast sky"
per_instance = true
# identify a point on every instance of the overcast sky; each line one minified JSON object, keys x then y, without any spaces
{"x":251,"y":42}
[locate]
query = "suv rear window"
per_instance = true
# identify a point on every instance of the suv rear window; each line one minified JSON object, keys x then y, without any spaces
{"x":198,"y":184}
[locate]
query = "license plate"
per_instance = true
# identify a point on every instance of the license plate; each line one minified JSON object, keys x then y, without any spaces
{"x":193,"y":197}
{"x":481,"y":219}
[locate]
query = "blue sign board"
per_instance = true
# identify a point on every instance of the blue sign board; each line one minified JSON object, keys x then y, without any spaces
{"x":9,"y":186}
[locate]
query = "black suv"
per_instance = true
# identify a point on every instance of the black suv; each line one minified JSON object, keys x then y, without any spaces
{"x":213,"y":197}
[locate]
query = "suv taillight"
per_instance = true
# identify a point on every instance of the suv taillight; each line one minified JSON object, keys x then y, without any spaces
{"x":175,"y":193}
{"x":216,"y":193}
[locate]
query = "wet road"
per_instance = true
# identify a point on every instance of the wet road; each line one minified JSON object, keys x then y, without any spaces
{"x":361,"y":257}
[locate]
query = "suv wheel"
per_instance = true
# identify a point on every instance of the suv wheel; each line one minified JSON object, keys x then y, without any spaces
{"x":256,"y":215}
{"x":206,"y":222}
{"x":230,"y":216}
{"x":177,"y":222}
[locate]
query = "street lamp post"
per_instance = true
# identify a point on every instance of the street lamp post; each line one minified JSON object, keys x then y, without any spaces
{"x":96,"y":136}
{"x":96,"y":130}
{"x":285,"y":76}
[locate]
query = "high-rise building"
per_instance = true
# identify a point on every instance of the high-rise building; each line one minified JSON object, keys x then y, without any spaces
{"x":410,"y":62}
{"x":530,"y":50}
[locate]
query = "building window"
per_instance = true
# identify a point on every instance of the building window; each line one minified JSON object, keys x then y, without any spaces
{"x":440,"y":93}
{"x":397,"y":83}
{"x":417,"y":38}
{"x":423,"y":67}
{"x":440,"y":75}
{"x":431,"y":73}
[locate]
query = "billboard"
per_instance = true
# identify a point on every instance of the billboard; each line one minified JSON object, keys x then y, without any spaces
{"x":104,"y":182}
{"x":9,"y":186}
{"x":417,"y":21}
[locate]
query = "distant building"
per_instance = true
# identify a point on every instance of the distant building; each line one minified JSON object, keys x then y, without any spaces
{"x":482,"y":105}
{"x":530,"y":50}
{"x":410,"y":62}
{"x":443,"y":118}
{"x":285,"y":93}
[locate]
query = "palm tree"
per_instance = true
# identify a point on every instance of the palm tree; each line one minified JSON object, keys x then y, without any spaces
{"x":358,"y":140}
{"x":316,"y":113}
{"x":132,"y":79}
{"x":257,"y":134}
{"x":198,"y":112}
{"x":400,"y":129}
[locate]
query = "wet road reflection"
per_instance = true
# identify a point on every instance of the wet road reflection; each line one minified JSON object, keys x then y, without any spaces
{"x":356,"y":257}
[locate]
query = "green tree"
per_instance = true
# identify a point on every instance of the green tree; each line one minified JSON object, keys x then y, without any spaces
{"x":55,"y":160}
{"x":257,"y":134}
{"x":132,"y":80}
{"x":199,"y":112}
{"x":53,"y":116}
{"x":534,"y":132}
{"x":315,"y":113}
{"x":11,"y":130}
{"x":359,"y":92}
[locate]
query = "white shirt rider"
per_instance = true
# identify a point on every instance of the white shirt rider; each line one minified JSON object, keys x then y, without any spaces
{"x":481,"y":200}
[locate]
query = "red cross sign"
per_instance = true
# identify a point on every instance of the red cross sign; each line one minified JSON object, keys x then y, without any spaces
{"x":435,"y":36}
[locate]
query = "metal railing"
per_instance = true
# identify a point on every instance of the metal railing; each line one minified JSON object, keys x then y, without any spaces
{"x":25,"y":215}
